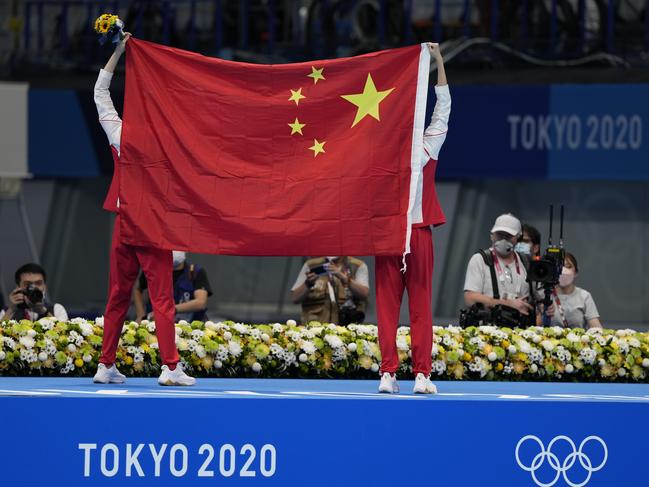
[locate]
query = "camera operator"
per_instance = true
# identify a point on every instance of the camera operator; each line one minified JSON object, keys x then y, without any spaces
{"x":29,"y":300}
{"x":496,"y":278}
{"x":332,"y":290}
{"x":572,"y":306}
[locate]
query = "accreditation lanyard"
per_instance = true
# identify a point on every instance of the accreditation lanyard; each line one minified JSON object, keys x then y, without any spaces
{"x":499,"y":270}
{"x":562,"y":314}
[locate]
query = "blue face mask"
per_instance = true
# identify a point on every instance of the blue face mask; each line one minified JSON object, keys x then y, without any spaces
{"x":523,"y":248}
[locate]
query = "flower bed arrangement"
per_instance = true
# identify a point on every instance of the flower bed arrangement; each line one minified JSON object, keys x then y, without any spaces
{"x":227,"y":349}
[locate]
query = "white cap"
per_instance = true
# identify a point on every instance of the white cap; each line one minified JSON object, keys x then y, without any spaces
{"x":507,"y":223}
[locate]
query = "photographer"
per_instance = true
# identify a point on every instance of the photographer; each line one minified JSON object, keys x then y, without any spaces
{"x":502,"y":265}
{"x":573,"y":307}
{"x":332,"y":290}
{"x":29,"y":300}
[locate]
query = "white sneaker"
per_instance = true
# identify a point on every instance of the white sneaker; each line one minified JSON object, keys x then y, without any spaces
{"x":176,"y":377}
{"x":108,"y":375}
{"x":423,"y":385}
{"x":388,"y":384}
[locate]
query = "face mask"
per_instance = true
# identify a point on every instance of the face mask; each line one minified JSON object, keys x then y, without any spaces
{"x":178,"y":258}
{"x":331,"y":259}
{"x":503,"y":247}
{"x":566,"y":278}
{"x":523,"y":248}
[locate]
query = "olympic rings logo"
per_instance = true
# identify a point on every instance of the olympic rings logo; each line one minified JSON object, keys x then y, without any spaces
{"x":568,"y":462}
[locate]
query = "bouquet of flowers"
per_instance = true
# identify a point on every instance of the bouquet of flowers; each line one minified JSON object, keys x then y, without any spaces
{"x":228,"y":349}
{"x":109,"y":27}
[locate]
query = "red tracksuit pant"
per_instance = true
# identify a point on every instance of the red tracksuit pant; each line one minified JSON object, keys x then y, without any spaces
{"x":125,"y":262}
{"x":390,"y":284}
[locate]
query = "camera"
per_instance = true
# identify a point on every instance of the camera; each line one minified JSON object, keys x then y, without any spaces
{"x":348,"y":313}
{"x":478,"y":315}
{"x":33,"y":294}
{"x":319,"y":270}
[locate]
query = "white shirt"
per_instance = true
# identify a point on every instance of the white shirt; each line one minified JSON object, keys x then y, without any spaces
{"x":434,"y":137}
{"x":578,"y":307}
{"x":511,"y":281}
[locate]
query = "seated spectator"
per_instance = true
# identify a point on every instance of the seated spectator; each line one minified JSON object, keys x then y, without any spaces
{"x":332,"y":290}
{"x":29,"y":301}
{"x":573,"y":306}
{"x":530,"y":242}
{"x":502,"y":265}
{"x":191,"y":290}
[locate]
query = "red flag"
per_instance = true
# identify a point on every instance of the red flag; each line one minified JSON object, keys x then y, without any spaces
{"x":316,"y":158}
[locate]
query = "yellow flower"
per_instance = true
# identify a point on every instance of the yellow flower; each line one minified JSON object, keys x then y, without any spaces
{"x":467,"y":357}
{"x":78,"y":363}
{"x":128,"y":360}
{"x":505,"y":344}
{"x":487,"y":349}
{"x":519,"y":367}
{"x":499,"y":367}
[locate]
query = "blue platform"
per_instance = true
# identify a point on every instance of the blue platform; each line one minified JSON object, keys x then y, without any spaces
{"x":68,"y":431}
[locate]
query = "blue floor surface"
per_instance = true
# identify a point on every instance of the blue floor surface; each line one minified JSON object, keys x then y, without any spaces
{"x":324,"y":389}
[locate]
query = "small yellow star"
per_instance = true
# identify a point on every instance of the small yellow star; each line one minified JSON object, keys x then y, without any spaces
{"x":317,"y":147}
{"x":296,"y":127}
{"x":368,"y":101}
{"x":296,"y":96}
{"x":316,"y":74}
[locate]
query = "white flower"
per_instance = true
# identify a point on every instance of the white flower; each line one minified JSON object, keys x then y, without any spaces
{"x":634,"y":342}
{"x":182,"y":344}
{"x":150,"y":326}
{"x":87,"y":358}
{"x":374,"y":367}
{"x":308,"y":347}
{"x":511,"y":349}
{"x":585,"y":338}
{"x":256,"y":367}
{"x":352,"y":347}
{"x":434,"y":352}
{"x":72,"y":347}
{"x":570,"y":369}
{"x":621,"y":372}
{"x":234,"y":348}
{"x":31,"y":333}
{"x":179,"y":330}
{"x":218,"y":364}
{"x":138,"y":357}
{"x":99,"y":321}
{"x":492,"y":356}
{"x":86,"y":328}
{"x":645,"y":363}
{"x":227,"y":335}
{"x":601,"y":362}
{"x":27,"y":342}
{"x":200,"y":351}
{"x":439,"y":367}
{"x":291,"y":323}
{"x":240,"y":328}
{"x":402,"y":344}
{"x":42,"y":356}
{"x":536,"y":338}
{"x":572,"y":337}
{"x":547,"y":345}
{"x":333,"y":341}
{"x":265,"y":338}
{"x":183,"y":323}
{"x":534,"y":368}
{"x":588,"y":355}
{"x":2,"y":355}
{"x":303,"y":357}
{"x":278,"y":328}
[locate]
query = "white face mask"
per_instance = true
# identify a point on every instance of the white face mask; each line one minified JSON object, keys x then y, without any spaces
{"x":332,"y":258}
{"x":567,"y":277}
{"x":523,"y":248}
{"x":178,"y":257}
{"x":503,"y":247}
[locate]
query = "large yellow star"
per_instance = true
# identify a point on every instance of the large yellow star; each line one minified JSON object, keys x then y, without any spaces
{"x":296,"y":127}
{"x":317,"y":147}
{"x":316,"y":74}
{"x":368,"y":101}
{"x":296,"y":96}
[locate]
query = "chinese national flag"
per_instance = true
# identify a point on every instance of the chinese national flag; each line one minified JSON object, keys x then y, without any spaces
{"x":316,"y":158}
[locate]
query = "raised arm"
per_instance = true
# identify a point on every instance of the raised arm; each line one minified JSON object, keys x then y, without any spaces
{"x":108,"y":117}
{"x":435,"y":134}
